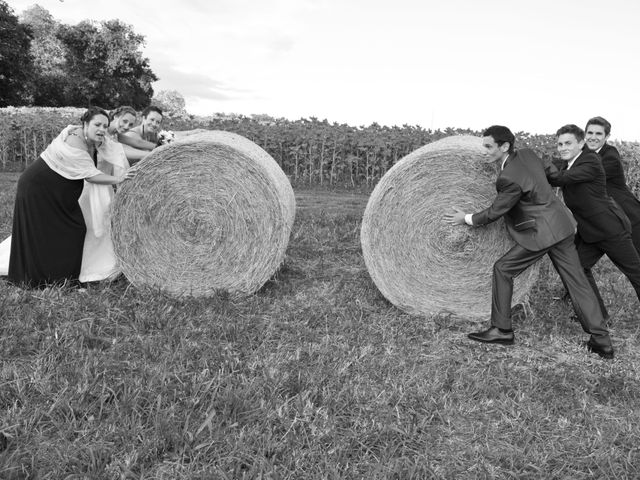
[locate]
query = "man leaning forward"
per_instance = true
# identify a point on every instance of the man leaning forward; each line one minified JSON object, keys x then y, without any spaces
{"x":540,"y":224}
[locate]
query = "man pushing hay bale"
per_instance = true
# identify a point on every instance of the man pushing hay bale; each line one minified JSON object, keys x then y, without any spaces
{"x":211,"y":211}
{"x":421,"y":264}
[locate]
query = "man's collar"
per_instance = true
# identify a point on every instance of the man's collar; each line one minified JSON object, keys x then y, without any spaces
{"x":587,"y":149}
{"x":504,"y":160}
{"x":572,"y":161}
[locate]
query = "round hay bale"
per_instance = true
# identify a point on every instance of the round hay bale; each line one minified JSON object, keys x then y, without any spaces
{"x":422,"y":264}
{"x":211,"y":211}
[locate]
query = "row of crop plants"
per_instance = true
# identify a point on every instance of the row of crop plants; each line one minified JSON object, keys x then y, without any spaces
{"x":310,"y":151}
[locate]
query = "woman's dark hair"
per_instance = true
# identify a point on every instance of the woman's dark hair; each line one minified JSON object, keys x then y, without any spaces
{"x":121,"y":110}
{"x":151,"y":108}
{"x":91,"y":112}
{"x":500,"y":135}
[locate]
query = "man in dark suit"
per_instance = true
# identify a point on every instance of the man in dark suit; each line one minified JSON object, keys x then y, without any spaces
{"x":539,"y":224}
{"x":596,"y":134}
{"x":603,"y":227}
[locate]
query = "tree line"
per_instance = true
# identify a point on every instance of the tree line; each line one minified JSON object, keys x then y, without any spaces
{"x":47,"y":63}
{"x":44,"y":63}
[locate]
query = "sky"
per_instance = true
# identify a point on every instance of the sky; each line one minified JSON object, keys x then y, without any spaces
{"x":532,"y":66}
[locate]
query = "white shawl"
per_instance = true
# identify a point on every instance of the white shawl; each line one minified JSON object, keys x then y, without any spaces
{"x":69,"y":162}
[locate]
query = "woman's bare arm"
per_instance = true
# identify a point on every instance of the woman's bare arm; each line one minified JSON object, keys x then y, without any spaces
{"x":134,"y":155}
{"x":104,"y":179}
{"x":136,"y":141}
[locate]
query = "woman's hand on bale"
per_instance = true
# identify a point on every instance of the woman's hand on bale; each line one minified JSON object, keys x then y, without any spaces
{"x":456,"y":218}
{"x":129,"y":174}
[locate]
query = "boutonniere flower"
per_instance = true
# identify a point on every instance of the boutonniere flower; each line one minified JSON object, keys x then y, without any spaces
{"x":165,"y":136}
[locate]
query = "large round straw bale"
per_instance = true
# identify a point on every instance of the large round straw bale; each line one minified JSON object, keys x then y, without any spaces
{"x":211,"y":211}
{"x":420,"y":263}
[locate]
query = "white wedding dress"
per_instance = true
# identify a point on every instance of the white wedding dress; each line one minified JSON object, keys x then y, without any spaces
{"x":98,"y":257}
{"x":5,"y":250}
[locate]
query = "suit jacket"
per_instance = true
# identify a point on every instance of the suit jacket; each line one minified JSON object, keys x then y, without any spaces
{"x":585,"y":193}
{"x":617,"y":185}
{"x":534,"y":216}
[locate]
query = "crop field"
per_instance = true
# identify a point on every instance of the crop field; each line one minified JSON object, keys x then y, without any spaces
{"x":311,"y":152}
{"x":315,"y":376}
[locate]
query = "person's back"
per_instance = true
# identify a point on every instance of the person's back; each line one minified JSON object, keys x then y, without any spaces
{"x":531,"y":176}
{"x":538,"y":219}
{"x":614,"y":170}
{"x":617,"y":187}
{"x":584,"y":189}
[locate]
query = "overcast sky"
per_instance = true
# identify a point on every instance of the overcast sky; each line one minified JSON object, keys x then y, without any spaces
{"x":533,"y":66}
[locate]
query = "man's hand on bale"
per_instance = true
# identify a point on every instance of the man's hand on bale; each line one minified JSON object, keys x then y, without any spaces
{"x":456,"y":218}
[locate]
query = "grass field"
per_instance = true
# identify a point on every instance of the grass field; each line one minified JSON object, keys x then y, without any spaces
{"x":316,"y":376}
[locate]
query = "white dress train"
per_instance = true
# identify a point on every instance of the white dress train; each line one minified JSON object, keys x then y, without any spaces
{"x":5,"y":250}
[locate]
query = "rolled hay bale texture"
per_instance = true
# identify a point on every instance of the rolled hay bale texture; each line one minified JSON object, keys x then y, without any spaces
{"x":211,"y":211}
{"x":421,"y":264}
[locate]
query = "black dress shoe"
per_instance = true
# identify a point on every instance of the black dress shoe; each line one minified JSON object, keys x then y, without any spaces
{"x":492,"y":335}
{"x":605,"y":351}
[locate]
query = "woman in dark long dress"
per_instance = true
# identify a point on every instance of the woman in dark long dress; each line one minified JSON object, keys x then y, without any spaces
{"x":48,"y":225}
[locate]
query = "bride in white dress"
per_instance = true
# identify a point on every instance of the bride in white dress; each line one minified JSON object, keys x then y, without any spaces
{"x":98,"y":257}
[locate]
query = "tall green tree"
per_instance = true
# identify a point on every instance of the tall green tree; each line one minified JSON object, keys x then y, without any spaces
{"x":105,"y":65}
{"x":170,"y":101}
{"x":48,"y":53}
{"x":16,"y":65}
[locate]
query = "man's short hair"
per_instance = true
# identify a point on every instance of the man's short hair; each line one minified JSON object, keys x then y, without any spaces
{"x":575,"y":130}
{"x":151,"y":108}
{"x":500,"y":135}
{"x":599,"y":121}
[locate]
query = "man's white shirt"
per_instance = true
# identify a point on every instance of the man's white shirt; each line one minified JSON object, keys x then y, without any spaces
{"x":572,"y":161}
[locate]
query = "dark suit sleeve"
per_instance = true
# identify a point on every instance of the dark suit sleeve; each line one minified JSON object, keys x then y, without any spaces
{"x":550,"y":165}
{"x":585,"y":170}
{"x":612,"y":163}
{"x":509,"y":194}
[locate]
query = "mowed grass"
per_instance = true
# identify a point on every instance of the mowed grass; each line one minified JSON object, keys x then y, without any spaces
{"x":316,"y":376}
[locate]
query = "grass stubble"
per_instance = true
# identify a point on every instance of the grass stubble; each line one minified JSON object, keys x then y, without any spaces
{"x":315,"y":376}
